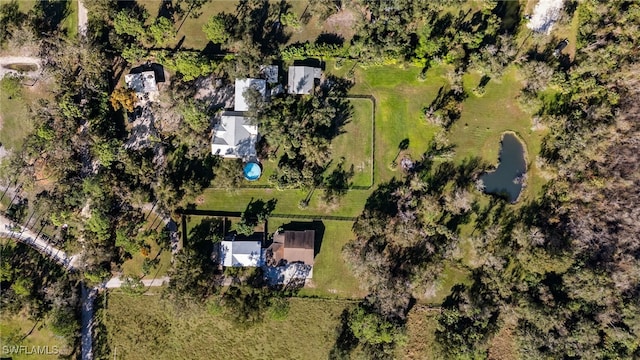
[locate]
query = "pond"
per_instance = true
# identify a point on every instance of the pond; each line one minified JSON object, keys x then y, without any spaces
{"x":507,"y":179}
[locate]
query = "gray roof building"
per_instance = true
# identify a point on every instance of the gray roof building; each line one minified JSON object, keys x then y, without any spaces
{"x":302,"y":79}
{"x":234,"y":137}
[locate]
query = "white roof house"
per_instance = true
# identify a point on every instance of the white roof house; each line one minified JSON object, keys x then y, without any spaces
{"x":241,"y":253}
{"x":302,"y":78}
{"x":241,"y":86}
{"x":234,"y":137}
{"x":143,"y":83}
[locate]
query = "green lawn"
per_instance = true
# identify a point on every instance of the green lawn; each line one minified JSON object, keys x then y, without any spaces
{"x":355,"y":144}
{"x":15,"y":121}
{"x":350,"y":205}
{"x":148,"y":327}
{"x":400,"y":98}
{"x":16,"y":327}
{"x":70,"y":23}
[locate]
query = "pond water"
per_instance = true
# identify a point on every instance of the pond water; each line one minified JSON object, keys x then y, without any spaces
{"x":506,"y":180}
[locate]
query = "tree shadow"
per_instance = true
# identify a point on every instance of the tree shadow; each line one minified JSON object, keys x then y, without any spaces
{"x":383,"y":199}
{"x":509,"y":12}
{"x":50,"y":14}
{"x":259,"y":209}
{"x":338,"y":181}
{"x":330,"y":39}
{"x":346,"y":341}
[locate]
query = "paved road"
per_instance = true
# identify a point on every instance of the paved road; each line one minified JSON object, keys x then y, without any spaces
{"x":6,"y":60}
{"x":82,"y":19}
{"x":88,"y":299}
{"x":32,"y":239}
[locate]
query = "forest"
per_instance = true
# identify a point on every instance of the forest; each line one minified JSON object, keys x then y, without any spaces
{"x":557,"y":272}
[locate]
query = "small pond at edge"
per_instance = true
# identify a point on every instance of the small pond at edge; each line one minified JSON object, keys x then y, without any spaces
{"x":506,"y":180}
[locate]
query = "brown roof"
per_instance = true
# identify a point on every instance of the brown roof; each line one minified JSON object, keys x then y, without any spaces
{"x":294,"y":246}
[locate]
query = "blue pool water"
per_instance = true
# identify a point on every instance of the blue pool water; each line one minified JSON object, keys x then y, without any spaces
{"x":252,"y":171}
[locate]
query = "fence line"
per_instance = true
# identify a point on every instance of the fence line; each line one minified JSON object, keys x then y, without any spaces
{"x":277,"y":216}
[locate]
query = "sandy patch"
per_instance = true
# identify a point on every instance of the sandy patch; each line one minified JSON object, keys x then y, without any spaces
{"x":341,"y":23}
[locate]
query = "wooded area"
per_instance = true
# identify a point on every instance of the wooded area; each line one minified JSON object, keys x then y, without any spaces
{"x":557,"y":271}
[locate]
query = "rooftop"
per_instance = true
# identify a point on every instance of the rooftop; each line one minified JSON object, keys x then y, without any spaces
{"x":302,"y":78}
{"x":234,"y":137}
{"x":142,"y":83}
{"x":294,"y":246}
{"x":241,"y":253}
{"x":241,"y":86}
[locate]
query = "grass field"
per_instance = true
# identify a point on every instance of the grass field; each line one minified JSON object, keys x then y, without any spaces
{"x":147,"y":327}
{"x":484,"y":119}
{"x":355,"y":144}
{"x":349,"y":205}
{"x":400,"y":98}
{"x":15,"y":121}
{"x":16,"y":331}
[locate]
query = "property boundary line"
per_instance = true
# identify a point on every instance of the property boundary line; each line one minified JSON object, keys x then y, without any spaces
{"x":220,"y":213}
{"x":373,"y":152}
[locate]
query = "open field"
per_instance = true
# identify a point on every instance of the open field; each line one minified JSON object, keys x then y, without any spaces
{"x":18,"y":330}
{"x":15,"y":121}
{"x":400,"y":98}
{"x":147,"y":327}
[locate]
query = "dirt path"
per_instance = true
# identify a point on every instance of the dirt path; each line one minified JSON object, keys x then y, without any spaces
{"x":82,"y":19}
{"x":116,"y":282}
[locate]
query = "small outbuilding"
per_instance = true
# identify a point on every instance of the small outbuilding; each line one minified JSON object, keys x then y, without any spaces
{"x":238,"y":253}
{"x":243,"y":85}
{"x":302,"y":79}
